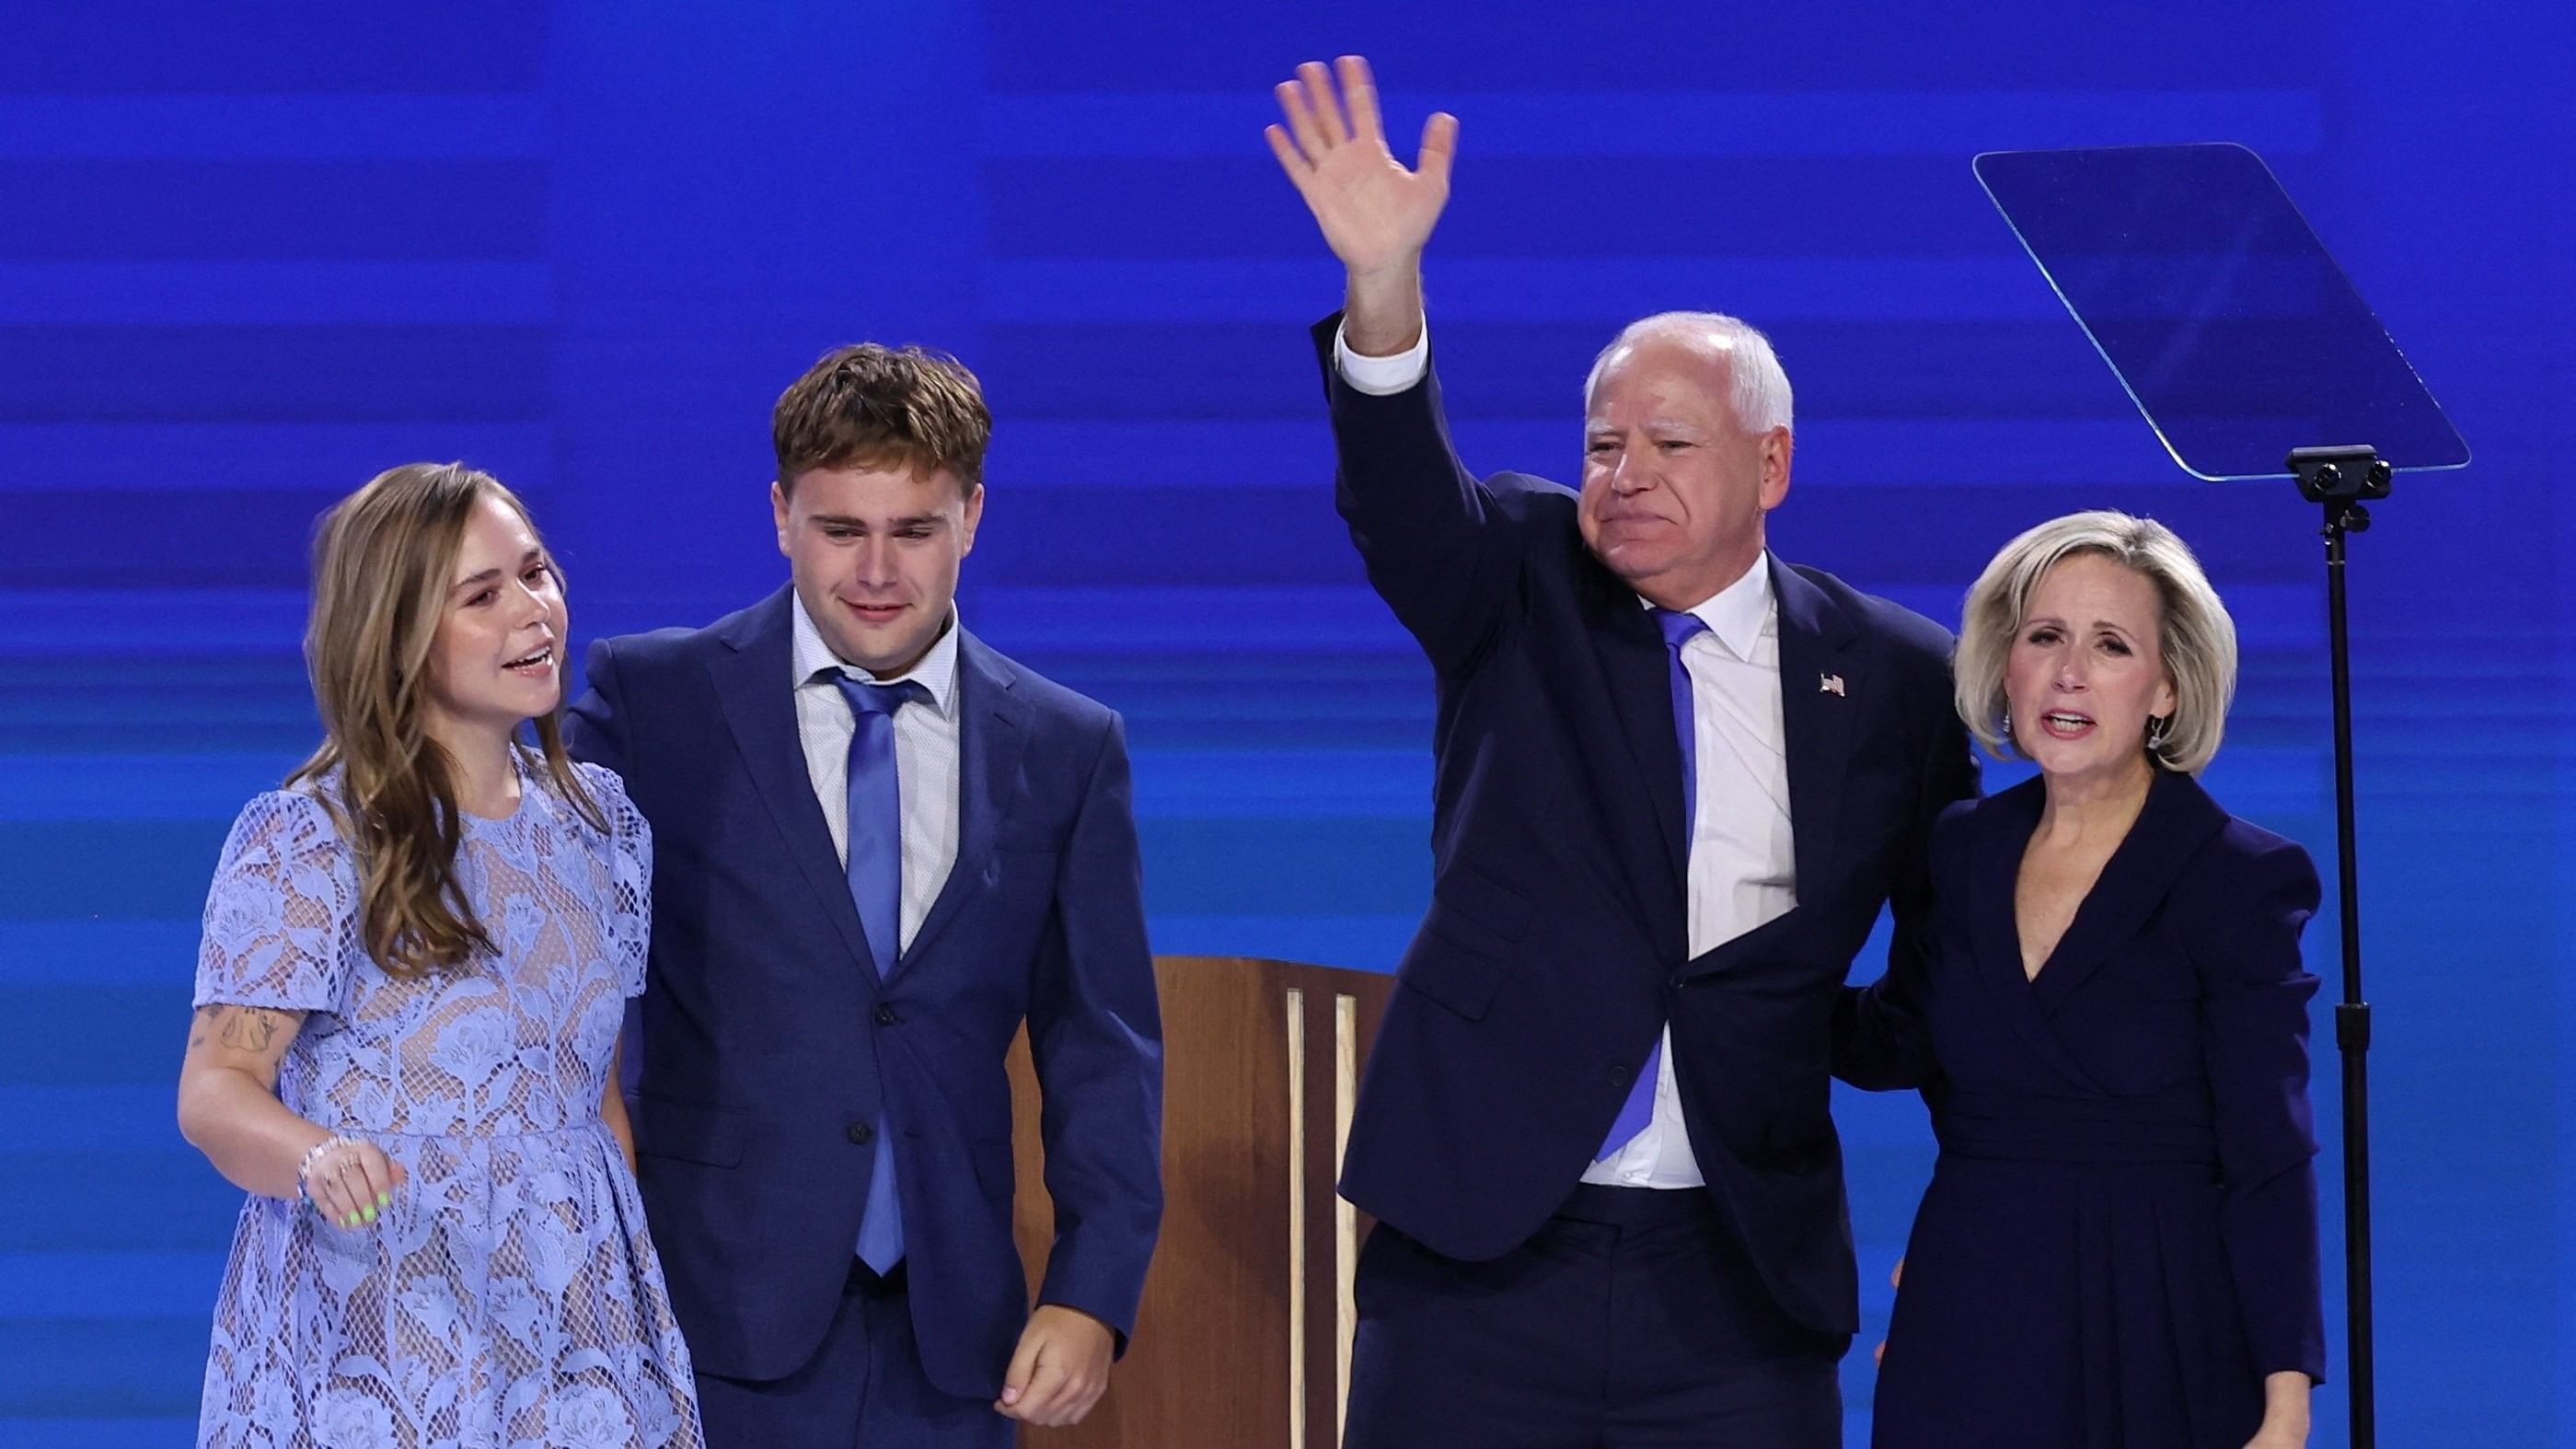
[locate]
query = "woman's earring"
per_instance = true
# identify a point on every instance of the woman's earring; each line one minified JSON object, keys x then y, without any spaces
{"x":2157,"y":729}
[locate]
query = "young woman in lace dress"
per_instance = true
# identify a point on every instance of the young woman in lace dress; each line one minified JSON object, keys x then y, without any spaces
{"x":416,"y":961}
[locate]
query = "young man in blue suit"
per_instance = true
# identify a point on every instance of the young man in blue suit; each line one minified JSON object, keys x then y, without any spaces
{"x":1675,"y":779}
{"x":879,"y":846}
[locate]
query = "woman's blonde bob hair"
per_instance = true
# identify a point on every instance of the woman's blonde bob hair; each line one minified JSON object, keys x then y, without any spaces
{"x":2195,"y":634}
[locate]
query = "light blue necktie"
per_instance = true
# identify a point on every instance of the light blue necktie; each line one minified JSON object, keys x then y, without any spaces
{"x":876,"y":888}
{"x":1639,"y":1109}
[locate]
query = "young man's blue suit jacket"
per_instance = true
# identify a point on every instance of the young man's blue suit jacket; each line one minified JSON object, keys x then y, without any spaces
{"x":1556,"y":944}
{"x":769,"y":1045}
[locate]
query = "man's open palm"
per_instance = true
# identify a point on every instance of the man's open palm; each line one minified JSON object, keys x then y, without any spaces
{"x":1375,"y":214}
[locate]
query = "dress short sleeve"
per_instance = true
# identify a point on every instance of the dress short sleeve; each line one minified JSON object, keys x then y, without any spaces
{"x":630,"y":907}
{"x":281,"y":922}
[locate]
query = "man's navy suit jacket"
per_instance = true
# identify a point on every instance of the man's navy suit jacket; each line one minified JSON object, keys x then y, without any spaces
{"x":769,"y":1045}
{"x":1556,"y":943}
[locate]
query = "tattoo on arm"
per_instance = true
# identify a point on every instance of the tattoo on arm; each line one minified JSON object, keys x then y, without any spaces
{"x":242,"y":1028}
{"x":251,"y":1030}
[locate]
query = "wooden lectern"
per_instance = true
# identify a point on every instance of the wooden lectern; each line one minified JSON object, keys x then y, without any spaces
{"x":1244,"y":1338}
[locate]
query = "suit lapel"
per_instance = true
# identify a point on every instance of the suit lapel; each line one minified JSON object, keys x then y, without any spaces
{"x":992,"y":733}
{"x":1821,"y":683}
{"x":1637,"y":676}
{"x":755,"y":689}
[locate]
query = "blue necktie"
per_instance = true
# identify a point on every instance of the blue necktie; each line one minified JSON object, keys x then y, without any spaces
{"x":876,"y":888}
{"x":1639,"y":1109}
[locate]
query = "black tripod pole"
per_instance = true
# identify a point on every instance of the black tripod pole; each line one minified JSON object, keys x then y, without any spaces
{"x":2340,"y":478}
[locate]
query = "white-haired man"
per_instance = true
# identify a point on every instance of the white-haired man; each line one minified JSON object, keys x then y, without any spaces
{"x":1675,"y":779}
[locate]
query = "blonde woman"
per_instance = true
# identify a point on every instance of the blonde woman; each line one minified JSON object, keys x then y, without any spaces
{"x":2119,"y":1245}
{"x":415,"y":966}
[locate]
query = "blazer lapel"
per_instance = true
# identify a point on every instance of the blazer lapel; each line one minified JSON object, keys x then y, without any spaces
{"x":992,"y":733}
{"x":754,"y":688}
{"x":2177,"y":819}
{"x":1821,"y":683}
{"x":2001,"y":832}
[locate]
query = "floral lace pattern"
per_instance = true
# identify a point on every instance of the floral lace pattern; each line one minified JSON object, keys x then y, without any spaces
{"x":510,"y":1296}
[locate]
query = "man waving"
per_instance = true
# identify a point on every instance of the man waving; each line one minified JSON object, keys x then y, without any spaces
{"x":1675,"y":780}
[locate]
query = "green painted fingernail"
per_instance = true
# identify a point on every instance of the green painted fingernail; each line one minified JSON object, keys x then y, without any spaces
{"x":369,"y":1214}
{"x":350,"y":1221}
{"x":384,"y":1198}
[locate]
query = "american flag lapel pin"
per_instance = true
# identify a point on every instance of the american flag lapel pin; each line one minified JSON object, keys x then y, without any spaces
{"x":1830,"y":684}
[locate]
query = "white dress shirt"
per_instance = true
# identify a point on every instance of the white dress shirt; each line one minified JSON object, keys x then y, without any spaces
{"x":1743,"y":862}
{"x":925,"y":757}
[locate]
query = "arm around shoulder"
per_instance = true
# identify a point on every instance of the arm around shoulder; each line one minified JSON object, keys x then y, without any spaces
{"x":1881,"y":1040}
{"x":595,"y":726}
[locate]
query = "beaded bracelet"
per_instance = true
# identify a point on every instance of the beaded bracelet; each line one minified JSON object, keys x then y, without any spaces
{"x":304,"y":1169}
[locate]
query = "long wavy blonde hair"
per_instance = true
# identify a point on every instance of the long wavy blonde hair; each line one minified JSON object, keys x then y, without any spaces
{"x":382,"y":561}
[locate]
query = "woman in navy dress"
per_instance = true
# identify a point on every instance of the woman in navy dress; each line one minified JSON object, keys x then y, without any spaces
{"x":2118,"y":1249}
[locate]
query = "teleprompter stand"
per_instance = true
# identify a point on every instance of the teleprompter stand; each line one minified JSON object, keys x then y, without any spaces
{"x":2241,"y":341}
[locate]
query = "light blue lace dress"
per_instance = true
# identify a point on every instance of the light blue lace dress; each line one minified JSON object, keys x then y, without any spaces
{"x":510,"y":1296}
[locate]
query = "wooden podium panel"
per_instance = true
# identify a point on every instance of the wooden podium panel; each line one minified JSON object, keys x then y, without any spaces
{"x":1244,"y":1337}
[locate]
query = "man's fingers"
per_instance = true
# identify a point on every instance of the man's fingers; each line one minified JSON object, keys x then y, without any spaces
{"x":1291,"y":160}
{"x":1439,"y":147}
{"x":1055,"y":1398}
{"x":1028,"y":1395}
{"x":1024,"y":1363}
{"x":1293,"y":104}
{"x":1044,"y":1400}
{"x":1895,"y":1279}
{"x":1318,"y":79}
{"x":1083,"y":1402}
{"x":1359,"y":92}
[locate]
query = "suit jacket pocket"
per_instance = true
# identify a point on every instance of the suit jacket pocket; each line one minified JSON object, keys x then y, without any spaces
{"x":1468,"y":941}
{"x":995,"y":1171}
{"x":690,"y":1131}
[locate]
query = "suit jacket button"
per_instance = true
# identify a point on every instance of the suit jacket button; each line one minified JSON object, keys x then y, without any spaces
{"x":886,"y":1016}
{"x":863,"y":1133}
{"x":1618,"y":1073}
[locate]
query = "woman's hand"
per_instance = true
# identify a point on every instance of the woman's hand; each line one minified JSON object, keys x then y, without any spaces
{"x":2285,"y":1412}
{"x":351,"y":1181}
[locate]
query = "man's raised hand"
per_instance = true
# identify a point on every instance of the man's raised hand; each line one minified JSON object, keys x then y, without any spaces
{"x":1375,"y":214}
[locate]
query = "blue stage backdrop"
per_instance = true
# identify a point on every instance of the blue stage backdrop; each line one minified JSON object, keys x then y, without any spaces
{"x":249,"y":255}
